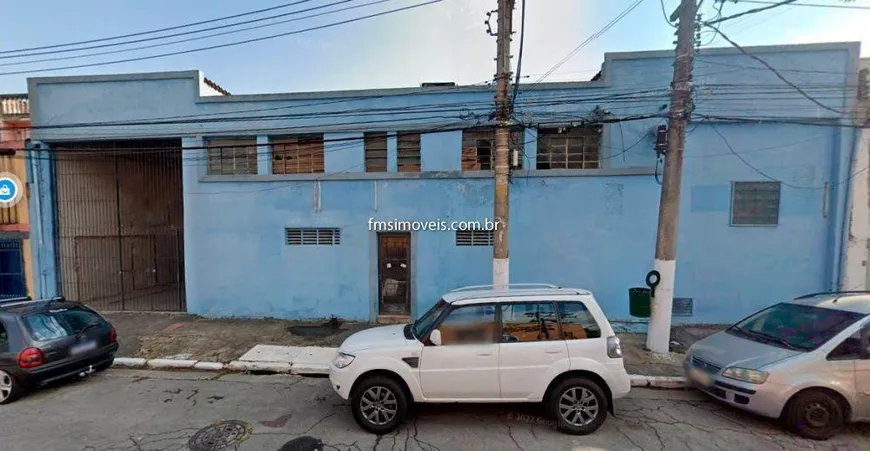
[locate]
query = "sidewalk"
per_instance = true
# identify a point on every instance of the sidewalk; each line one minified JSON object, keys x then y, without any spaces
{"x":161,"y":340}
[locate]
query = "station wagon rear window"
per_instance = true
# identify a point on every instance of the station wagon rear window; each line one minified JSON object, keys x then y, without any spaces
{"x":60,"y":323}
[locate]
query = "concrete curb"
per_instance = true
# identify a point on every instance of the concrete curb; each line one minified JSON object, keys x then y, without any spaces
{"x":127,"y":362}
{"x":158,"y":364}
{"x":637,"y":380}
{"x":666,"y":382}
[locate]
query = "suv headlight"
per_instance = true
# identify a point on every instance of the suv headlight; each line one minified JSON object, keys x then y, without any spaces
{"x":342,"y":360}
{"x":746,"y":375}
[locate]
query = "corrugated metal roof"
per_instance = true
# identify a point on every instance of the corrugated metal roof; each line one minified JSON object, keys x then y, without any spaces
{"x":14,"y":105}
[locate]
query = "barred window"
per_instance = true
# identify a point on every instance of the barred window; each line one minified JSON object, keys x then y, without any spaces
{"x":577,"y":148}
{"x":232,"y":156}
{"x":755,"y":203}
{"x":474,"y":237}
{"x":297,"y":154}
{"x":478,"y":148}
{"x":408,"y":152}
{"x":314,"y":236}
{"x":376,"y":152}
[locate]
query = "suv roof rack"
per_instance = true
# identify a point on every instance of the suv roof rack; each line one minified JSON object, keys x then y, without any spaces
{"x":822,"y":293}
{"x":16,"y":299}
{"x":27,"y":300}
{"x":511,"y":285}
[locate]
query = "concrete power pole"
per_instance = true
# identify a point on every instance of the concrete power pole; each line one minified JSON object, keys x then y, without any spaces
{"x":659,"y":332}
{"x":500,"y":262}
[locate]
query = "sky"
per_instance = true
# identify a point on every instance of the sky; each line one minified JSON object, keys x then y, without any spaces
{"x":444,"y":41}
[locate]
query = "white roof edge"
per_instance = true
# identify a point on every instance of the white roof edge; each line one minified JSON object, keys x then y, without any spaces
{"x":843,"y":45}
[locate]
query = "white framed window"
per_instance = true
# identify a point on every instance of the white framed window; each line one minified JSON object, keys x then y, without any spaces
{"x":408,"y":158}
{"x":575,"y":148}
{"x":755,"y":203}
{"x":297,"y":154}
{"x":478,"y":148}
{"x":232,"y":156}
{"x":376,"y":152}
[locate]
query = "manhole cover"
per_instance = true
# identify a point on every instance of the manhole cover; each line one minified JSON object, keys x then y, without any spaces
{"x":219,"y":436}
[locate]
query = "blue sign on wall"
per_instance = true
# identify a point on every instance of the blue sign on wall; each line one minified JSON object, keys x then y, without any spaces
{"x":10,"y":190}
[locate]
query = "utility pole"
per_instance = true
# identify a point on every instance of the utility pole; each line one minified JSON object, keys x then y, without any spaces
{"x":500,"y":262}
{"x":659,"y":332}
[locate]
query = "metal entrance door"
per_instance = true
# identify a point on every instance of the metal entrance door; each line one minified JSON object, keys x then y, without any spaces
{"x":12,"y":279}
{"x":394,"y":273}
{"x":120,"y":224}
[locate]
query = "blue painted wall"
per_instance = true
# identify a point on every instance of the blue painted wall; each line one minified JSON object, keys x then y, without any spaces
{"x":593,"y":229}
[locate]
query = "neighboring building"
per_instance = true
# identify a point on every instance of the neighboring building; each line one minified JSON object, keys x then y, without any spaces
{"x":16,"y":269}
{"x":165,"y":193}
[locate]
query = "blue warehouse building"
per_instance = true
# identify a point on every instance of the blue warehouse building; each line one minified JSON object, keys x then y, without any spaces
{"x":162,"y":191}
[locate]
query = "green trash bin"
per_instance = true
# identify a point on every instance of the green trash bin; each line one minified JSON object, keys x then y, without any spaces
{"x":639,"y":300}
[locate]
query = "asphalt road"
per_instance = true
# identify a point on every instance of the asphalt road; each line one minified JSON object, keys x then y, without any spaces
{"x":141,"y":410}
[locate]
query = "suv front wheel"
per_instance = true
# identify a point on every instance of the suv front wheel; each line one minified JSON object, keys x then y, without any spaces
{"x":578,"y":405}
{"x":10,"y":389}
{"x":379,"y":404}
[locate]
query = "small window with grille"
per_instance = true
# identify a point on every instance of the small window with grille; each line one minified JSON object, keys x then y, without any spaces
{"x":478,"y":148}
{"x":408,"y":152}
{"x":755,"y":203}
{"x":575,"y":148}
{"x":297,"y":154}
{"x":313,"y":237}
{"x":376,"y":152}
{"x":232,"y":156}
{"x":474,"y":238}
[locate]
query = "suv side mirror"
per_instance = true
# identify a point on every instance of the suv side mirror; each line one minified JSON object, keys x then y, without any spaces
{"x":435,"y":337}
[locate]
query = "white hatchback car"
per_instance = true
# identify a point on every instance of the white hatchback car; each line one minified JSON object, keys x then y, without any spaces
{"x":526,"y":344}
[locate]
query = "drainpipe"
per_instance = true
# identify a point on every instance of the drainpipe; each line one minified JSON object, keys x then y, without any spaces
{"x":33,"y":176}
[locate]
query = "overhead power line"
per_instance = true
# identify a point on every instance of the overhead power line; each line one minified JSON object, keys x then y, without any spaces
{"x":186,"y":33}
{"x":816,"y":5}
{"x":774,"y":71}
{"x":588,"y":40}
{"x":198,"y":38}
{"x":774,"y":179}
{"x":750,"y":11}
{"x":160,"y":30}
{"x":229,"y":44}
{"x":520,"y":57}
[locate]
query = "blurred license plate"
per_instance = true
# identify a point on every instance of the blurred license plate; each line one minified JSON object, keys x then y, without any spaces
{"x":700,"y":377}
{"x":83,"y":347}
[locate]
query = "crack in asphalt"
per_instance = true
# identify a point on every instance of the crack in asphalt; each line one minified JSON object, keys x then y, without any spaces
{"x":511,"y":434}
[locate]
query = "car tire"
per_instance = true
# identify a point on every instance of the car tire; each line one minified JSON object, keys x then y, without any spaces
{"x":371,"y":400}
{"x":578,"y":405}
{"x":10,"y":388}
{"x":815,"y":415}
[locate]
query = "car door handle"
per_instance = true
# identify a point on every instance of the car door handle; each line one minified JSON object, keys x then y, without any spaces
{"x":484,"y":353}
{"x":554,"y":350}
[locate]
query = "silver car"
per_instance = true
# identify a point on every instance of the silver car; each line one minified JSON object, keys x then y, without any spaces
{"x":805,"y":361}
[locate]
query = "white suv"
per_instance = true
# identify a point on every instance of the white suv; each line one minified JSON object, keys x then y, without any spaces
{"x":526,"y":344}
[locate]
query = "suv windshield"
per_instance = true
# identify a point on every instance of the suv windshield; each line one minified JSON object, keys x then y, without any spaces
{"x":794,"y":326}
{"x":426,"y":321}
{"x":59,"y":323}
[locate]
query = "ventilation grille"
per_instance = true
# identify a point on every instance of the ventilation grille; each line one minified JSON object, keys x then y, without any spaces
{"x":683,"y":307}
{"x":474,"y":238}
{"x":322,"y":237}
